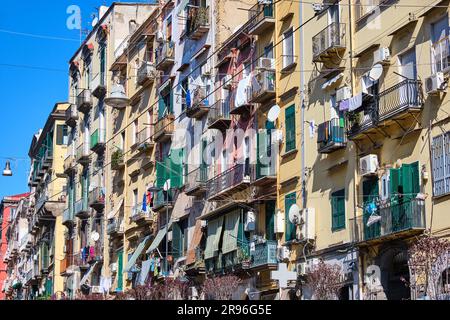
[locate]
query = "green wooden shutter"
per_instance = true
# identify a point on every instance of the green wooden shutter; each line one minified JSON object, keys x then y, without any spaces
{"x":289,"y":200}
{"x":270,"y":220}
{"x":170,"y":106}
{"x":119,"y":270}
{"x":59,"y":135}
{"x":290,"y":128}
{"x":177,"y":241}
{"x":176,"y":168}
{"x":338,"y":210}
{"x":161,"y":107}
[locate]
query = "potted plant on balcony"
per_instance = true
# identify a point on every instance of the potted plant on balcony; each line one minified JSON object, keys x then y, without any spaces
{"x":354,"y":119}
{"x":245,"y":258}
{"x":116,"y":159}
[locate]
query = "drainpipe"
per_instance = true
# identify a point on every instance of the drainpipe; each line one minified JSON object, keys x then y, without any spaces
{"x":302,"y":109}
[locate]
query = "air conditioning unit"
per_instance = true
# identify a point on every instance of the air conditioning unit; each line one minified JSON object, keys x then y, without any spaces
{"x":368,"y":165}
{"x":435,"y":83}
{"x":382,"y":55}
{"x":307,"y":224}
{"x":283,"y":253}
{"x":343,"y":93}
{"x":96,"y":289}
{"x":266,"y":64}
{"x":113,"y":267}
{"x":279,"y":222}
{"x":250,"y":221}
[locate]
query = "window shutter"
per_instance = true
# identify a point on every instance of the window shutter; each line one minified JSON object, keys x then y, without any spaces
{"x":338,"y":210}
{"x":438,"y":158}
{"x":176,"y":168}
{"x":290,"y":128}
{"x":176,"y":240}
{"x":270,"y":220}
{"x":161,"y":107}
{"x":289,"y":200}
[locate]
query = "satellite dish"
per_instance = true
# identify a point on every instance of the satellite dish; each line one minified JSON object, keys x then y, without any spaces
{"x":294,"y":214}
{"x":95,"y":236}
{"x":273,"y":113}
{"x":167,"y":185}
{"x":376,"y":72}
{"x":94,"y":22}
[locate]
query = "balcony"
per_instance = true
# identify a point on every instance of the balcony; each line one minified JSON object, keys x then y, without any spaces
{"x":97,"y":199}
{"x":264,"y":256}
{"x":395,"y":103}
{"x":261,"y":17}
{"x":117,"y":160}
{"x":68,"y":218}
{"x":196,"y":181}
{"x":331,"y":136}
{"x":232,"y":261}
{"x":232,"y":180}
{"x":84,"y":101}
{"x":30,"y":241}
{"x":165,"y":55}
{"x":200,"y":103}
{"x":144,"y":140}
{"x":83,"y":153}
{"x":329,"y":44}
{"x":197,"y":23}
{"x":140,"y":216}
{"x":64,"y":265}
{"x":70,"y":163}
{"x":98,"y":85}
{"x":72,"y":115}
{"x":219,"y":115}
{"x":440,"y":55}
{"x":263,"y":88}
{"x":48,"y":158}
{"x":146,"y":73}
{"x":263,"y":174}
{"x":115,"y":227}
{"x":162,"y":201}
{"x":398,"y":220}
{"x":82,"y":208}
{"x":98,"y":140}
{"x":164,"y":128}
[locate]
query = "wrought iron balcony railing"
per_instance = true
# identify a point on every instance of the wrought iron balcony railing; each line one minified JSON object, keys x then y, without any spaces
{"x":263,"y":88}
{"x":98,"y":140}
{"x":197,"y":23}
{"x":328,"y":41}
{"x":72,"y":115}
{"x":219,"y":115}
{"x":264,"y":255}
{"x":84,"y":101}
{"x":165,"y":55}
{"x":146,"y":72}
{"x":261,"y":17}
{"x":196,"y":180}
{"x":164,"y":128}
{"x":331,"y":135}
{"x":398,"y":216}
{"x":228,"y":180}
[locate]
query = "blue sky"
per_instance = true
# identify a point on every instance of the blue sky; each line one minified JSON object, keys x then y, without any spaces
{"x":29,"y":93}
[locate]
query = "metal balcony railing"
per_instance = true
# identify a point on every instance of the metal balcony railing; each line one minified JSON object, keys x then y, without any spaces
{"x":264,"y":254}
{"x":397,"y":216}
{"x":81,"y":207}
{"x":98,"y":139}
{"x":403,"y":97}
{"x":146,"y":71}
{"x":331,"y":135}
{"x":72,"y":115}
{"x":264,"y":86}
{"x":227,"y":180}
{"x":262,"y":170}
{"x":164,"y":127}
{"x":97,"y":197}
{"x":138,"y":214}
{"x":145,"y":138}
{"x":84,"y":100}
{"x":330,"y":38}
{"x":196,"y":179}
{"x":260,"y":16}
{"x":69,"y":162}
{"x":219,"y":114}
{"x":83,"y":152}
{"x":114,"y":226}
{"x":440,"y":55}
{"x":68,"y":217}
{"x":165,"y":54}
{"x":197,"y":23}
{"x":98,"y":85}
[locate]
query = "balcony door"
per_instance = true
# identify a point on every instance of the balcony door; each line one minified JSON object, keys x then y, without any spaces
{"x":370,"y":197}
{"x":408,"y":70}
{"x":440,"y":47}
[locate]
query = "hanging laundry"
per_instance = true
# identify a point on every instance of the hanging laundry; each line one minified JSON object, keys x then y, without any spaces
{"x":144,"y":203}
{"x":344,"y":105}
{"x":188,"y":98}
{"x":144,"y":271}
{"x":92,"y":252}
{"x":355,"y":102}
{"x":150,"y":199}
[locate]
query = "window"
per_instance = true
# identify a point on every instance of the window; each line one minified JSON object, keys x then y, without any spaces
{"x":165,"y":101}
{"x":135,"y":131}
{"x":338,"y":210}
{"x":289,"y":200}
{"x":62,"y":136}
{"x":288,"y":48}
{"x":440,"y":48}
{"x":290,"y":128}
{"x":268,"y":51}
{"x":441,"y":164}
{"x":122,"y":140}
{"x":135,"y":200}
{"x":180,"y":238}
{"x":184,"y":89}
{"x":103,"y":65}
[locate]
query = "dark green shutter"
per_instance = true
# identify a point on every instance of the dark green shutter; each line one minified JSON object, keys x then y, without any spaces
{"x":338,"y":210}
{"x":161,"y":107}
{"x":176,"y":168}
{"x":289,"y":200}
{"x":290,"y":128}
{"x":177,"y":241}
{"x":270,"y":220}
{"x":120,"y":271}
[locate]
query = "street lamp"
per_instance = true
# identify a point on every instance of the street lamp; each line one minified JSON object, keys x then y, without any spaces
{"x":165,"y":191}
{"x":7,"y":171}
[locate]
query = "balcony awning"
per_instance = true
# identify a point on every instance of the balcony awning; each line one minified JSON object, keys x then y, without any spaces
{"x":213,"y":239}
{"x":136,"y":254}
{"x":86,"y":276}
{"x":113,"y":213}
{"x":159,"y":236}
{"x":332,"y":81}
{"x":196,"y":239}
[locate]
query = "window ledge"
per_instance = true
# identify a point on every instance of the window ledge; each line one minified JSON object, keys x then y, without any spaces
{"x":289,"y":153}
